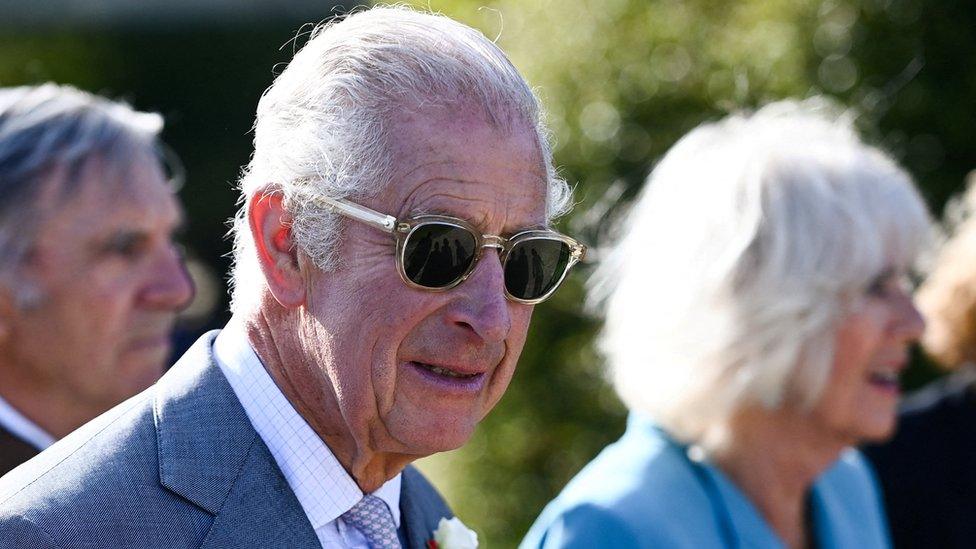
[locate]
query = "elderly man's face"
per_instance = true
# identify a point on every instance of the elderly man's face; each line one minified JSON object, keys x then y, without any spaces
{"x":109,"y":282}
{"x":414,"y":371}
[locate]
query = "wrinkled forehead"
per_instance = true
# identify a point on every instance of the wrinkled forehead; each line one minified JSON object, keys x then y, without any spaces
{"x":459,"y":152}
{"x":429,"y":127}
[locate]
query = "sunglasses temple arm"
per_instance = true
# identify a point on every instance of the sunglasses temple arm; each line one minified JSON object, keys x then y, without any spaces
{"x":360,"y":213}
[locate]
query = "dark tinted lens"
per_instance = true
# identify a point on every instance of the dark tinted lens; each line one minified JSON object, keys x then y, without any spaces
{"x":436,"y":254}
{"x":535,"y":266}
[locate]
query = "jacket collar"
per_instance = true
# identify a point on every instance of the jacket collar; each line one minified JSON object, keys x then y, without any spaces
{"x":210,"y":455}
{"x":421,"y":509}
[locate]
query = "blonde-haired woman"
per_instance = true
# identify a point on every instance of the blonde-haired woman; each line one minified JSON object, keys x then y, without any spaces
{"x":757,"y":320}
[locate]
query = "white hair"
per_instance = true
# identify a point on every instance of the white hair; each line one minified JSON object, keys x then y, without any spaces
{"x":322,"y":128}
{"x":52,"y":129}
{"x":752,"y":238}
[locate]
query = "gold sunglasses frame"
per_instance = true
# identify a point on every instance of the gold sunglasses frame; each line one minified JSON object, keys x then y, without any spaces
{"x":401,"y":231}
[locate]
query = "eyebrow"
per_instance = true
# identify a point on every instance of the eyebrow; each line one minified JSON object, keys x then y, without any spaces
{"x":176,"y":231}
{"x":886,"y":272}
{"x":387,"y":222}
{"x":104,"y":242}
{"x":438,"y":211}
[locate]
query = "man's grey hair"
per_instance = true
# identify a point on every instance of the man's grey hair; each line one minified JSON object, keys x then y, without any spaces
{"x":48,"y":136}
{"x":322,"y":128}
{"x":752,"y":240}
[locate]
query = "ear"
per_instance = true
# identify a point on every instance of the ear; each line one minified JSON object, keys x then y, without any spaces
{"x":277,"y":253}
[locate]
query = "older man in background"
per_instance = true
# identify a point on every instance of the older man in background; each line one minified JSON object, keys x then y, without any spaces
{"x":391,"y":246}
{"x":90,"y":280}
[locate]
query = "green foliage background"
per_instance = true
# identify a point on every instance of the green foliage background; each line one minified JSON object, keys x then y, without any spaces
{"x":622,"y":80}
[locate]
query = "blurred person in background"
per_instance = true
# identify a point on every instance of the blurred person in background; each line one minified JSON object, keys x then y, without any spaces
{"x":392,"y":244}
{"x":90,"y":278}
{"x":757,"y":320}
{"x":928,"y":470}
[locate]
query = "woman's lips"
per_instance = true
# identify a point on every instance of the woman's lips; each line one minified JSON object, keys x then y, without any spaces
{"x":887,"y":381}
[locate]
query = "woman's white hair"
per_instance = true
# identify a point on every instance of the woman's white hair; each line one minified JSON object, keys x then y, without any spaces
{"x":752,"y":238}
{"x":322,"y":128}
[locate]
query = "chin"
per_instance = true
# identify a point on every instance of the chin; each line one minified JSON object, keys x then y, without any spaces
{"x":130,"y":380}
{"x":879,"y":435}
{"x":876,"y":432}
{"x":441,"y":445}
{"x":435,"y":436}
{"x":141,"y":379}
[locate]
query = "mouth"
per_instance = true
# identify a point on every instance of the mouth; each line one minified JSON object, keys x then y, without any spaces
{"x":885,"y":380}
{"x":444,"y":371}
{"x":448,"y":378}
{"x":152,"y":334}
{"x":151,"y":343}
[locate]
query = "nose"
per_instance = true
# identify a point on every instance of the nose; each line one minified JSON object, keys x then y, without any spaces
{"x":910,"y":324}
{"x":481,"y":305}
{"x":169,"y":286}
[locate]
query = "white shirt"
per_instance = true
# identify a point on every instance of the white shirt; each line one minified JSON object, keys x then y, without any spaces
{"x":23,"y":428}
{"x":323,"y":488}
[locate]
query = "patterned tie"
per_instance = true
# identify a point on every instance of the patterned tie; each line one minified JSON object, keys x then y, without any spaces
{"x":373,"y":519}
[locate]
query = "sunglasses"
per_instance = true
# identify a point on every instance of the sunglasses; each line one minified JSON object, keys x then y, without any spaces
{"x":437,"y":252}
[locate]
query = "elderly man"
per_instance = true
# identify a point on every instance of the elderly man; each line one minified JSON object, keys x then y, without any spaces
{"x":390,"y":250}
{"x":90,"y":281}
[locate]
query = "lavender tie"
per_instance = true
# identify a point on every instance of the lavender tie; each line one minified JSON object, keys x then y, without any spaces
{"x":373,"y":520}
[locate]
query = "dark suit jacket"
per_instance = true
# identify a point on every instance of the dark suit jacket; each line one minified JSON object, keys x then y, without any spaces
{"x":178,"y":466}
{"x":928,"y":470}
{"x":13,"y":451}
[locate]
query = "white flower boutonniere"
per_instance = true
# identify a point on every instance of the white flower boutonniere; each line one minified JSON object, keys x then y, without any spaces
{"x":453,"y":534}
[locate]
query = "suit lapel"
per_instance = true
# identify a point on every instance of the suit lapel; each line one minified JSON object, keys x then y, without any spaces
{"x":421,"y":509}
{"x":210,"y":454}
{"x":413,"y":533}
{"x":261,"y":511}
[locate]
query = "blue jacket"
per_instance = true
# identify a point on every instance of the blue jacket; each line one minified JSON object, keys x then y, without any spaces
{"x":644,"y":491}
{"x":177,"y":466}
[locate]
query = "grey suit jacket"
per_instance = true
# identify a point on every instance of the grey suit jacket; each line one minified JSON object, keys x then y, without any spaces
{"x":177,"y":466}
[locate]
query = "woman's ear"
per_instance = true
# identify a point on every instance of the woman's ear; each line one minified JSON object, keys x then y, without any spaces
{"x":277,"y":254}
